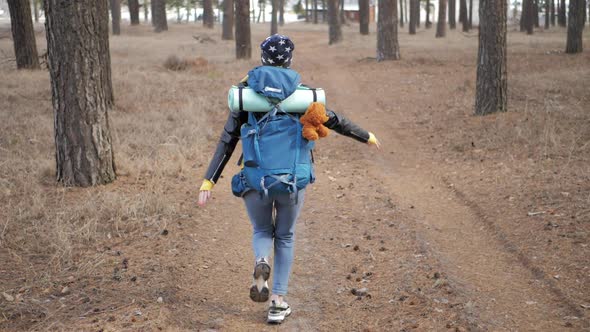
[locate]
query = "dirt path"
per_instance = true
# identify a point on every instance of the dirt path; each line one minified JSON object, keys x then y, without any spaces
{"x":503,"y":289}
{"x":390,"y":221}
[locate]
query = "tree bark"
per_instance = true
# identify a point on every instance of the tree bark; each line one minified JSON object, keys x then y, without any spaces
{"x":452,"y":14}
{"x":341,"y":12}
{"x":364,"y":17}
{"x":334,"y":22}
{"x":441,"y":25}
{"x":159,"y":18}
{"x":315,"y":11}
{"x":324,"y":12}
{"x":274,"y":27}
{"x":401,"y":13}
{"x":133,"y":11}
{"x":470,"y":14}
{"x":492,"y":84}
{"x":80,"y":70}
{"x":428,"y":24}
{"x":243,"y":39}
{"x":536,"y":13}
{"x":561,"y":20}
{"x":463,"y":15}
{"x":387,"y":43}
{"x":154,"y":14}
{"x":116,"y":16}
{"x":281,"y":12}
{"x":23,"y":34}
{"x":208,"y":15}
{"x":575,"y":26}
{"x":546,"y":14}
{"x":227,"y":32}
{"x":417,"y":13}
{"x":528,"y":17}
{"x":552,"y":12}
{"x":146,"y":11}
{"x":36,"y":10}
{"x":412,"y":17}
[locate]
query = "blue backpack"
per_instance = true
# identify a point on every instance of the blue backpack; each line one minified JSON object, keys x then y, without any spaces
{"x":277,"y":158}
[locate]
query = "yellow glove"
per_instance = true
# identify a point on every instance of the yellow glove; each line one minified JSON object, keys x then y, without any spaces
{"x":373,"y":140}
{"x":207,"y":185}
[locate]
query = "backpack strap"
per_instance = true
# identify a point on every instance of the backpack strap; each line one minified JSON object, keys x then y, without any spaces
{"x":241,"y":99}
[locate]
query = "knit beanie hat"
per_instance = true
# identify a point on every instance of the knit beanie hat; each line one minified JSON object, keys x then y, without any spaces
{"x":277,"y":50}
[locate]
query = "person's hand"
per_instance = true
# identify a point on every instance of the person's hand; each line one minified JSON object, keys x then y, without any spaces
{"x":205,"y":192}
{"x":204,"y":196}
{"x":374,"y":141}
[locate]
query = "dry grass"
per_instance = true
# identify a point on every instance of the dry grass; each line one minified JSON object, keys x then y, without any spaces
{"x":160,"y":126}
{"x":162,"y":132}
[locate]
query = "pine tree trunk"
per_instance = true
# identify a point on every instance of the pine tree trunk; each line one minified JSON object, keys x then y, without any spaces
{"x":133,"y":11}
{"x":159,"y":18}
{"x":324,"y":12}
{"x":281,"y":12}
{"x":561,"y":20}
{"x":387,"y":43}
{"x":36,"y":10}
{"x":417,"y":12}
{"x":341,"y":11}
{"x":452,"y":14}
{"x":80,"y":70}
{"x":536,"y":13}
{"x":412,"y":17}
{"x":274,"y":27}
{"x":441,"y":25}
{"x":315,"y":11}
{"x":23,"y":34}
{"x":401,"y":13}
{"x":553,"y":12}
{"x":491,"y":85}
{"x":243,"y":39}
{"x":546,"y":14}
{"x":334,"y":22}
{"x":470,"y":14}
{"x":528,"y":17}
{"x":228,"y":20}
{"x":463,"y":15}
{"x":575,"y":26}
{"x":523,"y":16}
{"x":364,"y":16}
{"x":208,"y":15}
{"x":146,"y":11}
{"x":153,"y":5}
{"x":428,"y":23}
{"x":116,"y":16}
{"x":306,"y":11}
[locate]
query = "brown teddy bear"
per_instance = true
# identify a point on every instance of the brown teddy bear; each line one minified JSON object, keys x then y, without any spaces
{"x":313,"y":122}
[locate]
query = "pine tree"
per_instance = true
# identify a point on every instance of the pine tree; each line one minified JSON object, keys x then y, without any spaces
{"x":80,"y":71}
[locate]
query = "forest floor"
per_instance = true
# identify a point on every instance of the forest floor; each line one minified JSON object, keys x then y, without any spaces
{"x":458,"y":223}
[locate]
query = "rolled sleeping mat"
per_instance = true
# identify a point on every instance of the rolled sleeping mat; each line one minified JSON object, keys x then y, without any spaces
{"x":246,"y":99}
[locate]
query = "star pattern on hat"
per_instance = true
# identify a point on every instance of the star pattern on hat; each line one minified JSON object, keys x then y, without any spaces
{"x":282,"y":42}
{"x":272,"y":49}
{"x":280,"y":57}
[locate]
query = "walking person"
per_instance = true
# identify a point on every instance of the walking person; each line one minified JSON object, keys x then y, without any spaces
{"x":277,"y":166}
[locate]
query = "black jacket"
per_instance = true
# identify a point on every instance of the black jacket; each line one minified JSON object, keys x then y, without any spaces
{"x":231,"y":135}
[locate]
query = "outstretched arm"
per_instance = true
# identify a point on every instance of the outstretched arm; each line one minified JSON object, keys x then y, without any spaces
{"x":227,"y":143}
{"x":344,"y":126}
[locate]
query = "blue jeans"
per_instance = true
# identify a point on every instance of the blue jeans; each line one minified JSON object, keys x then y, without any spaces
{"x":280,"y":232}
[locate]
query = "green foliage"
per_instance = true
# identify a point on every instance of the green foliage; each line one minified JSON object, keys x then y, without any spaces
{"x":298,"y":8}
